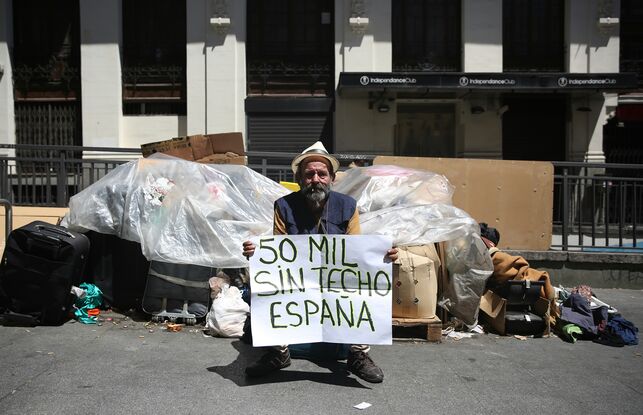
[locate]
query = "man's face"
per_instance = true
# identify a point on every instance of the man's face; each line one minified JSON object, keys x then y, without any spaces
{"x":315,"y":181}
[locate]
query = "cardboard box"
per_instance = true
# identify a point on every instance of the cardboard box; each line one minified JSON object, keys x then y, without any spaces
{"x":415,"y":282}
{"x":224,"y":148}
{"x":227,"y":143}
{"x":178,"y":147}
{"x":201,"y":146}
{"x":493,"y":308}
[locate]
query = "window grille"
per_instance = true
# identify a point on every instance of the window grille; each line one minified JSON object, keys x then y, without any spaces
{"x":426,"y":35}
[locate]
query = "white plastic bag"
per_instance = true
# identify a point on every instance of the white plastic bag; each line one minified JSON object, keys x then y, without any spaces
{"x":228,"y":313}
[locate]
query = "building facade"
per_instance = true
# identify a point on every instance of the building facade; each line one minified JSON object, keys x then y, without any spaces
{"x":532,"y":79}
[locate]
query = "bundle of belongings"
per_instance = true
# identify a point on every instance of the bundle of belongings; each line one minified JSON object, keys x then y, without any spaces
{"x":584,"y":317}
{"x":414,"y":208}
{"x":189,"y":220}
{"x":182,"y":212}
{"x":518,"y":298}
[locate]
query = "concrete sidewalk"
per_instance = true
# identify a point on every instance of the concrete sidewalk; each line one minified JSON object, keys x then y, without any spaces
{"x":596,"y":269}
{"x":127,"y":366}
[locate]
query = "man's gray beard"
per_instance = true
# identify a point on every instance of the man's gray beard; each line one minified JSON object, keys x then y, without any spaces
{"x":316,"y":194}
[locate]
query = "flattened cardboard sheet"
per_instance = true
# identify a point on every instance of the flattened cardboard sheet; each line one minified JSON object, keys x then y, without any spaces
{"x":516,"y":197}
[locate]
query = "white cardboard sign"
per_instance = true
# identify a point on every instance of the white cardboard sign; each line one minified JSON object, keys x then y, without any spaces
{"x":321,"y":288}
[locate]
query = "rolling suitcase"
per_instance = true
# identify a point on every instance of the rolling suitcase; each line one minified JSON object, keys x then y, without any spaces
{"x":177,"y":292}
{"x":523,"y":322}
{"x":118,"y":268}
{"x":40,"y":263}
{"x":520,"y":292}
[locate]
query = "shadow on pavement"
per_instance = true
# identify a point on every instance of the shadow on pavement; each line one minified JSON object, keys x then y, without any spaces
{"x":248,"y":354}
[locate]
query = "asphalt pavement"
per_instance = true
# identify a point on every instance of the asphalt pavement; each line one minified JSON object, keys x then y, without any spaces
{"x":129,"y":365}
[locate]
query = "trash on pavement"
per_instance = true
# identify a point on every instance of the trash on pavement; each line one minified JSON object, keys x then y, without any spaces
{"x":362,"y":405}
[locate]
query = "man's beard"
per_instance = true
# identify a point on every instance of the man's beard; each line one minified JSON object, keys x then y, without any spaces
{"x":316,"y":194}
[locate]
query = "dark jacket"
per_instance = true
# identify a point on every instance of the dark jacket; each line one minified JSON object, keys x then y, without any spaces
{"x":298,"y":219}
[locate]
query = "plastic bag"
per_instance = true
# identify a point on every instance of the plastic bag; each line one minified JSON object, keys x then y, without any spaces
{"x":469,"y":265}
{"x":180,"y":211}
{"x":227,"y":314}
{"x":91,"y":298}
{"x":382,"y":186}
{"x":414,"y":207}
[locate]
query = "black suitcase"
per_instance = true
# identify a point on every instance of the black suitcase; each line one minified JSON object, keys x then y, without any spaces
{"x":39,"y":265}
{"x":118,"y":268}
{"x":520,"y":292}
{"x":523,"y":322}
{"x":177,"y":292}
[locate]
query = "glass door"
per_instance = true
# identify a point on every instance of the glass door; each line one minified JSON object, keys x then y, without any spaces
{"x":425,"y":130}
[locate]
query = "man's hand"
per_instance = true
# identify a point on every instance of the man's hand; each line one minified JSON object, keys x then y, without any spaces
{"x":391,"y":255}
{"x":248,"y":249}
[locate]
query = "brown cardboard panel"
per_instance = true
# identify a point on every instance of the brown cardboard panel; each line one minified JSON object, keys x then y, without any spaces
{"x":23,"y":215}
{"x":516,"y":197}
{"x":225,"y":159}
{"x":201,"y":146}
{"x":227,"y":142}
{"x":184,"y":153}
{"x":178,"y":147}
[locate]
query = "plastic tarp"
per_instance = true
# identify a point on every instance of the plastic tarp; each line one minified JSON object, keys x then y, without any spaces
{"x":414,"y":208}
{"x":379,"y":187}
{"x":180,"y":211}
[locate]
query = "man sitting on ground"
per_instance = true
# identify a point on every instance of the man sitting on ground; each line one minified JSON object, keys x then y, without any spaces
{"x":315,"y":209}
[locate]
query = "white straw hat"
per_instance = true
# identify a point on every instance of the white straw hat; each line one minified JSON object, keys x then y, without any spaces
{"x":316,"y":150}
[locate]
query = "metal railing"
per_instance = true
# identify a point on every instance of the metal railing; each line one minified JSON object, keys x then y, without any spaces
{"x":596,"y":206}
{"x":55,"y":173}
{"x":279,"y":77}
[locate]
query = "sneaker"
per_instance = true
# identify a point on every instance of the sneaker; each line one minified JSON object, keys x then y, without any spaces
{"x":271,"y":361}
{"x":362,"y":366}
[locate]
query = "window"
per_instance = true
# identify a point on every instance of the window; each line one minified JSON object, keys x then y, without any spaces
{"x":533,"y":35}
{"x":154,"y":43}
{"x":46,"y":52}
{"x":631,"y":35}
{"x":290,"y":48}
{"x":426,"y":35}
{"x":425,"y":130}
{"x":46,"y":80}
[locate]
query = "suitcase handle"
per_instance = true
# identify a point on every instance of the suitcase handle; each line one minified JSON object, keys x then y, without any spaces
{"x":55,"y":230}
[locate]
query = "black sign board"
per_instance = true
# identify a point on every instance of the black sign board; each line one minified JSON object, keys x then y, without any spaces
{"x":453,"y":81}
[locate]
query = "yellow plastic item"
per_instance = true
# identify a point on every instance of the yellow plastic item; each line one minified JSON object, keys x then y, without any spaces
{"x":290,"y":186}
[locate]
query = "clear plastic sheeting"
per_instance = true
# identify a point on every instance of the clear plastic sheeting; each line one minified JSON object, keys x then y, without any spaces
{"x":469,"y":265}
{"x":418,"y":224}
{"x":382,"y":186}
{"x":413,"y":207}
{"x":180,"y":211}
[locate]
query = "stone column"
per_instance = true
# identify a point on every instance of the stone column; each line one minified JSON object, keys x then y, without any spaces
{"x":363,"y":46}
{"x":482,"y":35}
{"x":482,"y":52}
{"x":101,"y":35}
{"x":197,"y":27}
{"x":225,"y":66}
{"x":7,"y":124}
{"x":593,"y":48}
